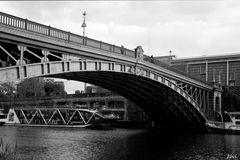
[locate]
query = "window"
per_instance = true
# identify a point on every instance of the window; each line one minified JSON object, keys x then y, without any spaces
{"x":202,"y":70}
{"x":232,"y":76}
{"x":232,"y":79}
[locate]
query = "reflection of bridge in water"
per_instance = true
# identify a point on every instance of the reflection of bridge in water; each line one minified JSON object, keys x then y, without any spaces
{"x":30,"y":49}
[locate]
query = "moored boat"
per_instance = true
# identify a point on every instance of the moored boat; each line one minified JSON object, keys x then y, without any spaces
{"x":53,"y":117}
{"x":231,"y":126}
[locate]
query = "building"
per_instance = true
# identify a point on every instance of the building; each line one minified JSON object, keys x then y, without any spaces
{"x":123,"y":108}
{"x":221,"y":69}
{"x":105,"y":102}
{"x":224,"y":69}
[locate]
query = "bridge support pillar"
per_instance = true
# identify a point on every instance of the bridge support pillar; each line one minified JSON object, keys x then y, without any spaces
{"x":45,"y":58}
{"x":21,"y":49}
{"x":215,"y":103}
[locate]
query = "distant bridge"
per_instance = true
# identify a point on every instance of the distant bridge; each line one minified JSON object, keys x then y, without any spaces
{"x":29,"y":49}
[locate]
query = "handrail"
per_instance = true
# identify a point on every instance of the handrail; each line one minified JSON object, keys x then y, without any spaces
{"x":35,"y":27}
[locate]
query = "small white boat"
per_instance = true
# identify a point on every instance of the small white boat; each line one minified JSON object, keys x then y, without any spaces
{"x":3,"y":118}
{"x":231,"y":126}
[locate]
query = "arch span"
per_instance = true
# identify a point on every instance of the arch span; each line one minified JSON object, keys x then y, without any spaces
{"x":164,"y":100}
{"x":163,"y":103}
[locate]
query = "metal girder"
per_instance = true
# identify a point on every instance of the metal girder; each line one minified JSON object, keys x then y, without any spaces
{"x":3,"y":49}
{"x":55,"y":111}
{"x":199,"y":95}
{"x":33,"y":53}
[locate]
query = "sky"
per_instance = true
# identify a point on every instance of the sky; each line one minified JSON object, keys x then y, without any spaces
{"x":188,"y":28}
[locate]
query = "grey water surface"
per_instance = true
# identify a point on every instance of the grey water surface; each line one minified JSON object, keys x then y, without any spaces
{"x":40,"y":143}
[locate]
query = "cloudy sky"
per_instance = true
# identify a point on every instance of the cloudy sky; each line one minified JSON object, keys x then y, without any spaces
{"x":187,"y":28}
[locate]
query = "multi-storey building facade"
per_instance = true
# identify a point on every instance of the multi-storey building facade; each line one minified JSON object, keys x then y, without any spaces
{"x":224,"y":69}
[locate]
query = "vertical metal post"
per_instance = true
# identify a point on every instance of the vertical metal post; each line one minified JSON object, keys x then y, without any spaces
{"x":26,"y":24}
{"x":49,"y":29}
{"x":21,"y":49}
{"x":22,"y":54}
{"x":85,"y":87}
{"x":227,"y":73}
{"x":45,"y":56}
{"x":206,"y":71}
{"x":69,"y":36}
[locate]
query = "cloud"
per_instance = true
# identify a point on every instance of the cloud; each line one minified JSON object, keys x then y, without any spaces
{"x":187,"y":27}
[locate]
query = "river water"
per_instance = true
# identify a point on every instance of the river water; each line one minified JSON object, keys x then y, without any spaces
{"x":118,"y":144}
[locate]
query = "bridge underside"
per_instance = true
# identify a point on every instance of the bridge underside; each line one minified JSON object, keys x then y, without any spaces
{"x":162,"y":103}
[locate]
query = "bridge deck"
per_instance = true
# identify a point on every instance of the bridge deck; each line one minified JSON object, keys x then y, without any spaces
{"x":77,"y":40}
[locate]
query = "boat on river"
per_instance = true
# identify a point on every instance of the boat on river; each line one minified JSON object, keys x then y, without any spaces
{"x":3,"y":118}
{"x":231,"y":126}
{"x":54,"y":117}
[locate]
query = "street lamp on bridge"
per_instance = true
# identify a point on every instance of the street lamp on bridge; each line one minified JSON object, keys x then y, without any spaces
{"x":84,"y":26}
{"x":84,"y":23}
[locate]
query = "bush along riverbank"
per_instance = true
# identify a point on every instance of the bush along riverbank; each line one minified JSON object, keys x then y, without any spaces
{"x":7,"y":152}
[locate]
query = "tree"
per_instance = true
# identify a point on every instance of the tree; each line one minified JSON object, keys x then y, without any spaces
{"x":31,"y":87}
{"x":53,"y":88}
{"x":38,"y":86}
{"x":230,"y":102}
{"x":7,"y":89}
{"x":49,"y":88}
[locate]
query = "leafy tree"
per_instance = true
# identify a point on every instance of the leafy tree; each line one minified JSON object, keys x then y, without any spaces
{"x":230,"y":101}
{"x":54,"y":88}
{"x":48,"y":88}
{"x":7,"y":90}
{"x":31,"y":87}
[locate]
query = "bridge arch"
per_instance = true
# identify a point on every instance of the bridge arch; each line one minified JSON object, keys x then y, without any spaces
{"x":159,"y":96}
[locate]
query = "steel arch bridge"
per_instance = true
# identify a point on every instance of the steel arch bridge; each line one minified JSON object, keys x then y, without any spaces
{"x":29,"y":49}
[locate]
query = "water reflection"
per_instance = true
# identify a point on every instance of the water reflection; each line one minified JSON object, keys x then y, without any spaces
{"x":118,"y":144}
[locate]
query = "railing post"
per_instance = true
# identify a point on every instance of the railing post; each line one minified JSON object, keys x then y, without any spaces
{"x":84,"y":40}
{"x":49,"y":28}
{"x":69,"y":36}
{"x":100,"y":44}
{"x":113,"y":48}
{"x":26,"y":20}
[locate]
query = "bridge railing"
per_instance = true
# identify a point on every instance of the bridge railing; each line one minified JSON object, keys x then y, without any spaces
{"x":35,"y":27}
{"x":12,"y":20}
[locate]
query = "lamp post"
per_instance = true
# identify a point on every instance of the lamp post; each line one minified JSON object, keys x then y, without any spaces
{"x":84,"y":26}
{"x":84,"y":23}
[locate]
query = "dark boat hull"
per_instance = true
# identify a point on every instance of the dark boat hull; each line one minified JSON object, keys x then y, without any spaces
{"x":2,"y":123}
{"x":222,"y":130}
